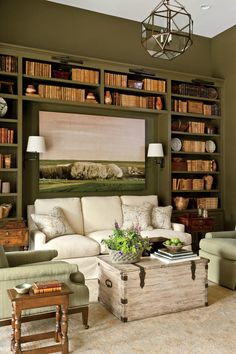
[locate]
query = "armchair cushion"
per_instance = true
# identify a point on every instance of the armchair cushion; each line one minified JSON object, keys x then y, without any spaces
{"x":54,"y":224}
{"x":3,"y":258}
{"x":161,"y":217}
{"x":221,"y":234}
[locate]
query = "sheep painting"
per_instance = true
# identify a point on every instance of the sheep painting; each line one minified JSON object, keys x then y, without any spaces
{"x":91,"y":153}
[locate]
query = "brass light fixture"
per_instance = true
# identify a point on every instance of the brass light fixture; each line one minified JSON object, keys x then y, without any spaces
{"x":167,"y":31}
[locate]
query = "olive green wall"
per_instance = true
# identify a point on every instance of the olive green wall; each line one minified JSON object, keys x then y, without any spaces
{"x":223,"y":49}
{"x":48,"y":26}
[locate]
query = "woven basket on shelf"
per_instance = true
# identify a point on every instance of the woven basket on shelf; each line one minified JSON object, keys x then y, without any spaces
{"x":118,"y":257}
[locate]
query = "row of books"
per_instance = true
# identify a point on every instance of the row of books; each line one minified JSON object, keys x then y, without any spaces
{"x":193,"y":146}
{"x":194,"y":90}
{"x":200,"y":165}
{"x":6,"y":136}
{"x":61,"y":93}
{"x":41,"y":287}
{"x":34,"y":68}
{"x":119,"y":99}
{"x":208,"y":203}
{"x":154,"y":85}
{"x":183,"y":106}
{"x":187,"y":184}
{"x":196,"y":127}
{"x":166,"y":256}
{"x":112,"y":79}
{"x":85,"y":75}
{"x":8,"y":63}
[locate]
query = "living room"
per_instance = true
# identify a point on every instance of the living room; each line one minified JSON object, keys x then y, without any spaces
{"x":50,"y":32}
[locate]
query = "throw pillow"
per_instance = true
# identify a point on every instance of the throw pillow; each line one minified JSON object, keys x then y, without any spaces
{"x":54,"y":224}
{"x":137,"y":216}
{"x":3,"y":258}
{"x":161,"y":217}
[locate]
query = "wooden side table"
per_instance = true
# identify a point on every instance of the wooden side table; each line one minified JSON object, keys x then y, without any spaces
{"x":197,"y":226}
{"x":14,"y":233}
{"x":60,"y":299}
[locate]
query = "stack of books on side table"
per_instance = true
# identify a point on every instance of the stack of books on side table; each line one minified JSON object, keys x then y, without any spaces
{"x":167,"y":256}
{"x":41,"y":287}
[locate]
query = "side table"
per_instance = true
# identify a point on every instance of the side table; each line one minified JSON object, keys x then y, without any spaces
{"x":21,"y":302}
{"x":14,"y":233}
{"x":197,"y":226}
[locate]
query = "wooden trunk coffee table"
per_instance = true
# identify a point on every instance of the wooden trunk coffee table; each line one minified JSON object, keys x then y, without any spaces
{"x":21,"y":302}
{"x":150,"y":288}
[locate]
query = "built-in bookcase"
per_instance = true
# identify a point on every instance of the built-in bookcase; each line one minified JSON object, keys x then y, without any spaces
{"x":184,"y":107}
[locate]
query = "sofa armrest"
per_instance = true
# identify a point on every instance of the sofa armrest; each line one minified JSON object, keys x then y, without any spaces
{"x":37,"y":271}
{"x":37,"y":239}
{"x":221,"y":234}
{"x":178,"y":227}
{"x":18,"y":258}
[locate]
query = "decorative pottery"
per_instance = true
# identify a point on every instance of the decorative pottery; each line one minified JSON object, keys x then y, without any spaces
{"x":159,"y":104}
{"x":208,"y":182}
{"x":108,"y":98}
{"x":3,"y":107}
{"x":30,"y":89}
{"x":181,"y":203}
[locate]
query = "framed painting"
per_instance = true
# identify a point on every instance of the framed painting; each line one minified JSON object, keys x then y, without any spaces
{"x":91,"y":153}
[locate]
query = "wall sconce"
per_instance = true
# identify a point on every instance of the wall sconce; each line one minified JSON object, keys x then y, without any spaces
{"x":36,"y":145}
{"x":156,"y":150}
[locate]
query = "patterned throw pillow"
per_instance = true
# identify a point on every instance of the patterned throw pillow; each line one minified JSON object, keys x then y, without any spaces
{"x":137,"y":216}
{"x":3,"y":258}
{"x":54,"y":224}
{"x":161,"y":217}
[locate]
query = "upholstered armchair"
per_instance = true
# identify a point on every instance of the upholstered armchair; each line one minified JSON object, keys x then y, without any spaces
{"x":30,"y":266}
{"x":220,"y":248}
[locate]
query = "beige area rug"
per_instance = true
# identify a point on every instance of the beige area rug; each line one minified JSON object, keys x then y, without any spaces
{"x":204,"y":330}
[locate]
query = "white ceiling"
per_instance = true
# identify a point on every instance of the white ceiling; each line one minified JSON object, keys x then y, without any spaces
{"x":208,"y":23}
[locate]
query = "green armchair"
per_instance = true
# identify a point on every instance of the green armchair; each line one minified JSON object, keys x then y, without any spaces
{"x":28,"y":266}
{"x":220,"y":248}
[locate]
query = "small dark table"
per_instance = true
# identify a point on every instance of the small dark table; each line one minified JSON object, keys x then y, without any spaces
{"x":20,"y":302}
{"x":197,"y":226}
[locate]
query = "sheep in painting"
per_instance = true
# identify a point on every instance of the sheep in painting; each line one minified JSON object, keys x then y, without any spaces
{"x":92,"y":170}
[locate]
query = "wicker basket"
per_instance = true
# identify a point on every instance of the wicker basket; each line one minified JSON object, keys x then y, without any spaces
{"x":119,"y":257}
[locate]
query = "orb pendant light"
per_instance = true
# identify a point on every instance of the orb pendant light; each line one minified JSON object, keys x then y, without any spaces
{"x":167,"y":31}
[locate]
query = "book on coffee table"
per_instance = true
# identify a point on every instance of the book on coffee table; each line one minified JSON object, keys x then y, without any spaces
{"x":164,"y":259}
{"x":174,"y":254}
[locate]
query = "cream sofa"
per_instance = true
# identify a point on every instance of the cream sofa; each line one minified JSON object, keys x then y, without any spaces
{"x":92,"y":219}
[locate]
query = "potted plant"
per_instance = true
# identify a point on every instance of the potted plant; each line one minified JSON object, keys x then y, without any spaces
{"x":126,"y":246}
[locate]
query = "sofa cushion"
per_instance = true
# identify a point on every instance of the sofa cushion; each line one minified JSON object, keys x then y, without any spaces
{"x":137,"y":216}
{"x":99,"y":236}
{"x":221,"y":247}
{"x":3,"y":258}
{"x":70,"y":206}
{"x":101,"y":213}
{"x":138,"y":200}
{"x":54,"y":224}
{"x":164,"y":234}
{"x":161,"y":217}
{"x":73,"y":246}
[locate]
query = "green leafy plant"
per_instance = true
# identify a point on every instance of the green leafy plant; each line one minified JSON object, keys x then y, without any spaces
{"x":127,"y":241}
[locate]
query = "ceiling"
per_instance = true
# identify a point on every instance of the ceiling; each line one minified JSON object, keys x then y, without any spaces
{"x":207,"y":23}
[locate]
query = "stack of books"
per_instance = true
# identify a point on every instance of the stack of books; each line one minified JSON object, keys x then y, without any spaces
{"x":167,"y":256}
{"x":41,"y":287}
